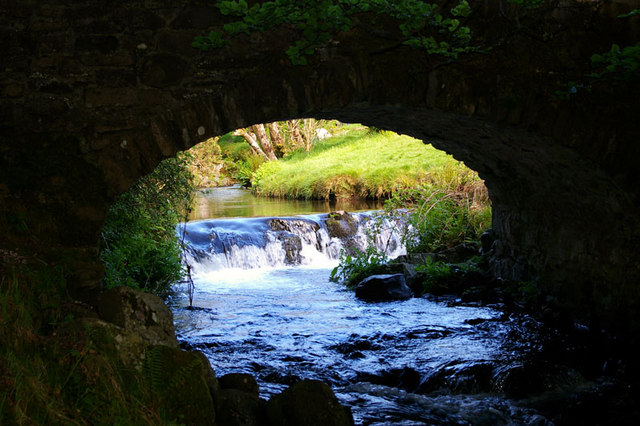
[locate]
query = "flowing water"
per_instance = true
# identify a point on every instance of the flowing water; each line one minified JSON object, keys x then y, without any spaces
{"x":265,"y":306}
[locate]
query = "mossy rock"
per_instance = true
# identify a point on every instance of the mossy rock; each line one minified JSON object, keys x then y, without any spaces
{"x":341,"y":225}
{"x":184,"y":384}
{"x":308,"y":403}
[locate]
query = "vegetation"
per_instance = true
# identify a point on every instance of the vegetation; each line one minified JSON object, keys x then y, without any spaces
{"x":55,"y":369}
{"x":357,"y":164}
{"x":427,"y":26}
{"x":451,"y":209}
{"x":140,"y":247}
{"x":236,"y":156}
{"x":356,"y":265}
{"x":444,"y":215}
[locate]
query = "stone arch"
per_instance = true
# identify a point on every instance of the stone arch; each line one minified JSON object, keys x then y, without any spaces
{"x":96,"y":96}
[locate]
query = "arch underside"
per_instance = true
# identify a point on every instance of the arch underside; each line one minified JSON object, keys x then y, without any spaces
{"x":103,"y":98}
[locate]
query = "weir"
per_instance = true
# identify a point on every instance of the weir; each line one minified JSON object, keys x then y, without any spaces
{"x":250,"y":243}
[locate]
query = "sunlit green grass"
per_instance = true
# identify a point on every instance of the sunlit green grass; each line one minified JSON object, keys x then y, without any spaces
{"x":359,"y":163}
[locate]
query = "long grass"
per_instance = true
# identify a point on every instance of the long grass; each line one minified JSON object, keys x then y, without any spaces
{"x":358,"y":164}
{"x":54,"y":369}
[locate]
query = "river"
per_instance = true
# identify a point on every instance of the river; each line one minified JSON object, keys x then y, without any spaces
{"x":265,"y":306}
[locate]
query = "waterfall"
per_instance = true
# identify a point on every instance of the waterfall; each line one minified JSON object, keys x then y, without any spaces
{"x":315,"y":240}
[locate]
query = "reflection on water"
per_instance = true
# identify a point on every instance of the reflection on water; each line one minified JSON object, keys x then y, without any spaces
{"x":234,"y":201}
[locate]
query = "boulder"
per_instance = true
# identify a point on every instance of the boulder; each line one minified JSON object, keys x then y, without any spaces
{"x":308,"y":403}
{"x":243,"y":382}
{"x":341,"y":225}
{"x":383,"y":287}
{"x":140,"y":313}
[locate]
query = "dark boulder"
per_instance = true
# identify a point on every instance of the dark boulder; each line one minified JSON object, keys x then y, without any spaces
{"x":243,"y":382}
{"x":308,"y":403}
{"x":184,"y":383}
{"x":383,"y":287}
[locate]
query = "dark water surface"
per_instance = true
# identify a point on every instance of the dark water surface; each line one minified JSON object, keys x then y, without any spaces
{"x":411,"y":362}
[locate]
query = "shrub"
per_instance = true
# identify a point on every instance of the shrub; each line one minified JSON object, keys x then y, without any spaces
{"x":442,"y":215}
{"x":356,"y":265}
{"x":140,"y":246}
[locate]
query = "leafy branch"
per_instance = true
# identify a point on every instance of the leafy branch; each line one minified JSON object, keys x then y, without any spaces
{"x":424,"y":26}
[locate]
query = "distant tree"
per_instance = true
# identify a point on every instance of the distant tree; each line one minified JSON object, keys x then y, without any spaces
{"x":281,"y":137}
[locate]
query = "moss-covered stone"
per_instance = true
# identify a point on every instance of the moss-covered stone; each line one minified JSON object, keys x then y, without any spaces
{"x":142,"y":313}
{"x":341,"y":224}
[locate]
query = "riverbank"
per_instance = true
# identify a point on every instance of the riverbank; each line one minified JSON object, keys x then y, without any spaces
{"x":358,"y":164}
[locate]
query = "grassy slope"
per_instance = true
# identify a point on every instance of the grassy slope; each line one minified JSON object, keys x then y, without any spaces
{"x":355,"y":164}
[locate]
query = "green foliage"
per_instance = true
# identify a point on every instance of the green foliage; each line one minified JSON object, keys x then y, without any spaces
{"x":139,"y":243}
{"x":443,"y":214}
{"x":622,"y":64}
{"x":434,"y":273}
{"x":427,"y":26}
{"x":356,"y":265}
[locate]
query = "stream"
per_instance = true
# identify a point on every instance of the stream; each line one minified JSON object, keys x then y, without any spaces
{"x":264,"y":305}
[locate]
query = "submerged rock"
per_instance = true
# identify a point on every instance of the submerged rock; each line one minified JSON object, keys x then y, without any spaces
{"x":383,"y":287}
{"x":308,"y":403}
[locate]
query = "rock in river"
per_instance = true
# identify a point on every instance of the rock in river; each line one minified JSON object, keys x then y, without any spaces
{"x":383,"y":287}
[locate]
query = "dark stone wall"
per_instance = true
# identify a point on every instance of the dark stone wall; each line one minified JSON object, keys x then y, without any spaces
{"x":95,"y":94}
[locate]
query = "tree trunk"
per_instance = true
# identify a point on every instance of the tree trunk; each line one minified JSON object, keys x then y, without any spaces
{"x":308,"y":131}
{"x":296,"y":137}
{"x":251,"y":139}
{"x":264,"y":141}
{"x":277,"y":139}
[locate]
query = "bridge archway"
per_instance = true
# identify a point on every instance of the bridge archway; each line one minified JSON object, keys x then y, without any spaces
{"x":97,"y":96}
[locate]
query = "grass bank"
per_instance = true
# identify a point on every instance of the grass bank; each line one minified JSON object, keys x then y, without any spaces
{"x":356,"y":164}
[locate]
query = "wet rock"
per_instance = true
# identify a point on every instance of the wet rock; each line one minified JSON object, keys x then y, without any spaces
{"x":292,"y":245}
{"x":341,"y":225}
{"x":238,"y":408}
{"x":459,"y":378}
{"x":308,"y":403}
{"x":243,"y":382}
{"x":184,"y":382}
{"x":140,"y":313}
{"x":383,"y":287}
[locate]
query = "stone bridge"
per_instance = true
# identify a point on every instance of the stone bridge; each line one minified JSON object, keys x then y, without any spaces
{"x":96,"y":93}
